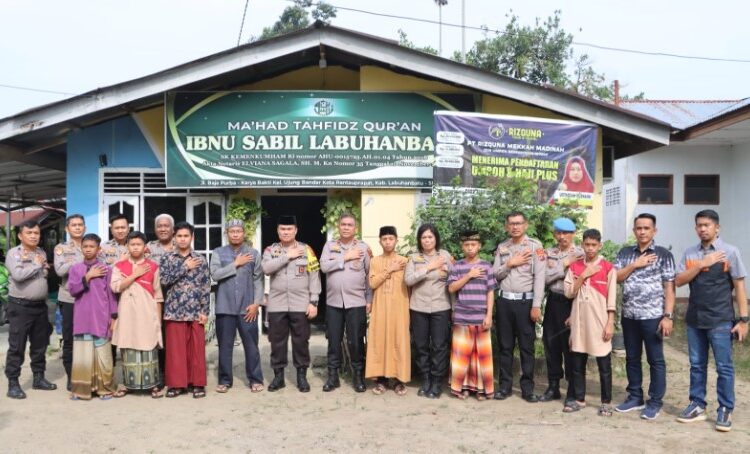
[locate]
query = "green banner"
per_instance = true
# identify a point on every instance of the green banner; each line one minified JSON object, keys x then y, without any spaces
{"x":300,"y":139}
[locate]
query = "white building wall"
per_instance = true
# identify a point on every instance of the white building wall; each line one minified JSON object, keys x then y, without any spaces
{"x":675,"y":222}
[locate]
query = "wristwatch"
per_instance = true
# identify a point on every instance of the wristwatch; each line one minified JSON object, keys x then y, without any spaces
{"x":668,"y":315}
{"x":744,"y":319}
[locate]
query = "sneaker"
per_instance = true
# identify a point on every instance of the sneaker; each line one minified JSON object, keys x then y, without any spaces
{"x":693,"y":412}
{"x":630,"y":404}
{"x":650,"y":412}
{"x":723,"y":420}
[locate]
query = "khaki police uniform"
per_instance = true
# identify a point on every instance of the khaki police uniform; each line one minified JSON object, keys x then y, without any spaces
{"x":293,"y":286}
{"x":347,"y":294}
{"x":111,"y":252}
{"x":430,"y":313}
{"x":556,"y":311}
{"x":520,"y":289}
{"x":27,"y":310}
{"x":66,"y":255}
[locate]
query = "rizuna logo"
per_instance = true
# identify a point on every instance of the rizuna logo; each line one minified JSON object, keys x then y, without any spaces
{"x":323,"y":107}
{"x":496,"y":131}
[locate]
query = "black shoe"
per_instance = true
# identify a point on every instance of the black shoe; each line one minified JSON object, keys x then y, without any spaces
{"x":332,"y":382}
{"x":41,"y":383}
{"x":425,"y":388}
{"x":552,"y":392}
{"x":358,"y":381}
{"x":530,"y":398}
{"x":501,"y":395}
{"x":435,"y":388}
{"x":302,"y":384}
{"x":278,"y":380}
{"x":69,"y":386}
{"x":14,"y":389}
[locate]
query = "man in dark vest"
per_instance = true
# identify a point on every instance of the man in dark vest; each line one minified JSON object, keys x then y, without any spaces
{"x":713,"y":269}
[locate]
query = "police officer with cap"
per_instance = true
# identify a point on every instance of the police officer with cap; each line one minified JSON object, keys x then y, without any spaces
{"x":292,"y":301}
{"x":27,"y":310}
{"x":557,"y":309}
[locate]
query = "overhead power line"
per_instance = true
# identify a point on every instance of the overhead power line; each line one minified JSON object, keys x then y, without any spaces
{"x":242,"y":24}
{"x":38,"y":90}
{"x":576,"y":43}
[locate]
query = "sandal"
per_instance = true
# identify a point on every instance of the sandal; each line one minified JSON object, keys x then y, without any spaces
{"x":198,"y":392}
{"x":256,"y":387}
{"x":106,"y":396}
{"x":605,"y":410}
{"x":156,"y":392}
{"x":400,"y":389}
{"x":119,"y":393}
{"x":573,"y":406}
{"x":222,"y":388}
{"x":378,"y":389}
{"x":481,"y":397}
{"x":174,"y":392}
{"x":462,"y":395}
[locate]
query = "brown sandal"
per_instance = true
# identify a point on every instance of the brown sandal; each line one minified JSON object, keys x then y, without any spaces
{"x":378,"y":389}
{"x":222,"y":388}
{"x":157,"y":393}
{"x":256,"y":387}
{"x":400,"y":389}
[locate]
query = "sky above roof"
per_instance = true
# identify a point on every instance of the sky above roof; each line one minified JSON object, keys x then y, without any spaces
{"x":76,"y":46}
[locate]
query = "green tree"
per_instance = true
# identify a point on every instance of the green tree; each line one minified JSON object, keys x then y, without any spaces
{"x":456,"y":210}
{"x":404,"y":41}
{"x":297,"y":16}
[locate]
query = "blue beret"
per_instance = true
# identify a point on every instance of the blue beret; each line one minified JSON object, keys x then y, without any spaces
{"x":563,"y":225}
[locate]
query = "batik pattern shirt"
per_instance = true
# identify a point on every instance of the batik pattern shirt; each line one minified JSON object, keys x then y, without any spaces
{"x":643,"y":290}
{"x":187,"y":294}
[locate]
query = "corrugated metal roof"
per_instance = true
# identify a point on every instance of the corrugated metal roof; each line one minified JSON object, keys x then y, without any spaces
{"x":682,"y":114}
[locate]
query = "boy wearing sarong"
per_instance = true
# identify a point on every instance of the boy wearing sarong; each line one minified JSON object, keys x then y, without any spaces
{"x":95,"y":313}
{"x":473,"y":282}
{"x":138,"y":329}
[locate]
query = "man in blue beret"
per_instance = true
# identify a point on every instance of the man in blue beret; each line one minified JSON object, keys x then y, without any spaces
{"x":557,"y":310}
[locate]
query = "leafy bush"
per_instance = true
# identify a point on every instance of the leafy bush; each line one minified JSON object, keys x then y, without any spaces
{"x":454,"y":210}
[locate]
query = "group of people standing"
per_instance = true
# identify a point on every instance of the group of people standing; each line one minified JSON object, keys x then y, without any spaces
{"x":151,"y":300}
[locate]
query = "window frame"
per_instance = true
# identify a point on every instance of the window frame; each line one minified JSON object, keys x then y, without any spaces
{"x":652,"y":175}
{"x":718,"y":188}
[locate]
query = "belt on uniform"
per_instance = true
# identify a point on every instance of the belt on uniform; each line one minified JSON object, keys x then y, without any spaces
{"x":516,"y":296}
{"x":25,"y":302}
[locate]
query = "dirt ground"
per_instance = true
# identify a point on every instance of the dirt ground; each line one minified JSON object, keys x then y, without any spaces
{"x":345,"y":421}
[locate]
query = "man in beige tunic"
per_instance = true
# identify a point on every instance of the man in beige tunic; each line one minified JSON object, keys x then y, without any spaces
{"x":388,"y":349}
{"x":592,"y":284}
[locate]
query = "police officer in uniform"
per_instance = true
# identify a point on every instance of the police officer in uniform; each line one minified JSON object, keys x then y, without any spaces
{"x":68,"y":254}
{"x":556,"y":335}
{"x":27,"y":310}
{"x":346,"y":262}
{"x":292,"y":301}
{"x":116,"y":249}
{"x":520,"y":271}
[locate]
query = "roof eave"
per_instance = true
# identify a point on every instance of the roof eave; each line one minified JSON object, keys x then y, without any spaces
{"x":381,"y":50}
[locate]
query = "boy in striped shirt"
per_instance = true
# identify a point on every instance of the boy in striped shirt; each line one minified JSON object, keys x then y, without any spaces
{"x":473,"y":282}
